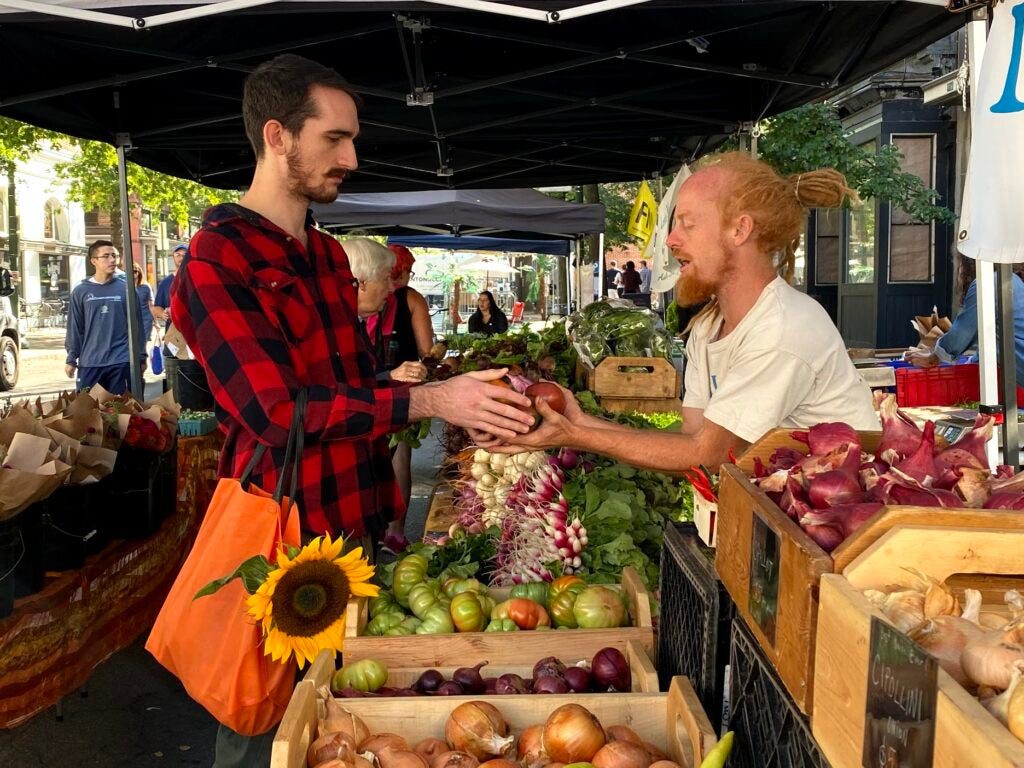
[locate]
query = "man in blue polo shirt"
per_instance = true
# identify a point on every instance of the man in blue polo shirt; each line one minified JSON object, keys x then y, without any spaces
{"x":162,"y":302}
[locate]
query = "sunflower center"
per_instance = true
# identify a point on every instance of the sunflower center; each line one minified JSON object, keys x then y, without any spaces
{"x":310,"y":597}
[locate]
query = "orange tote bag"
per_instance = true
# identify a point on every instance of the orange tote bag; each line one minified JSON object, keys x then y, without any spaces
{"x":210,"y":643}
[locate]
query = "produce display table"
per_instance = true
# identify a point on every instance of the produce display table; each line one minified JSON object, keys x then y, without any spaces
{"x":55,"y":638}
{"x":440,"y":512}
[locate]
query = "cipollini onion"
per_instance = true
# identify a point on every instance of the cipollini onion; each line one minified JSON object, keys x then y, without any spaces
{"x":331,"y":746}
{"x":479,"y":729}
{"x":381,"y":741}
{"x":430,"y":748}
{"x":500,"y":762}
{"x":572,"y":734}
{"x":999,"y":705}
{"x":623,"y":733}
{"x":397,"y":758}
{"x":989,"y":660}
{"x":945,"y":638}
{"x":664,"y":764}
{"x":621,"y":754}
{"x":454,"y":759}
{"x":340,"y":720}
{"x":530,"y":749}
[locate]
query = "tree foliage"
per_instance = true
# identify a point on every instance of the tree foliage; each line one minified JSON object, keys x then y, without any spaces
{"x":18,"y":141}
{"x":812,"y":136}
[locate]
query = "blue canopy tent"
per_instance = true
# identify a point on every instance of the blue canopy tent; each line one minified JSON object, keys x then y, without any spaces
{"x":470,"y":243}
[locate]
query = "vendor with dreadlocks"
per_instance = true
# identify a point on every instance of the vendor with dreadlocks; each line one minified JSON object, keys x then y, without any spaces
{"x":761,"y":354}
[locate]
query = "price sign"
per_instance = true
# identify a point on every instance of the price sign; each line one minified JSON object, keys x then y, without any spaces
{"x":765,"y":551}
{"x":899,"y":716}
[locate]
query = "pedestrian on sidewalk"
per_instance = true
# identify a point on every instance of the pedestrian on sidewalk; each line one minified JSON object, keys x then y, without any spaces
{"x":97,"y":335}
{"x":145,"y":294}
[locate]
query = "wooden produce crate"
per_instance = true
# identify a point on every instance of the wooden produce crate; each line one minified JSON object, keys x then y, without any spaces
{"x":673,"y":721}
{"x":440,"y":510}
{"x":642,"y":671}
{"x":965,"y":733}
{"x":500,"y":648}
{"x":745,"y":511}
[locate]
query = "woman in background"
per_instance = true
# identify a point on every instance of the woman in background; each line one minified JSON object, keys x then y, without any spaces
{"x":488,"y":318}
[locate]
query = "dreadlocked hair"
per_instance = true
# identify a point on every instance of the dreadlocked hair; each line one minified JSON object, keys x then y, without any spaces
{"x":778,"y":205}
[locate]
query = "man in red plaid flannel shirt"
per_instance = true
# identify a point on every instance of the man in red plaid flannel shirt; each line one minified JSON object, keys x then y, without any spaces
{"x":268,"y":305}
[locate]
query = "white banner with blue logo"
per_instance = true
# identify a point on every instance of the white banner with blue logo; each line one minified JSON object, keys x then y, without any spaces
{"x":992,"y":218}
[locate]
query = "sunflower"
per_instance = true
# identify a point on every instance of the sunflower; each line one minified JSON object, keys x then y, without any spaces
{"x":302,"y":603}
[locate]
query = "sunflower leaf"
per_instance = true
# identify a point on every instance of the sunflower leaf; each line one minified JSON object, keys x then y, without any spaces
{"x":253,"y":572}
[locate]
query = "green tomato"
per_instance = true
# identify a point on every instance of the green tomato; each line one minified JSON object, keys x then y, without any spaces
{"x":366,"y":675}
{"x":599,"y":607}
{"x":409,"y":572}
{"x":423,"y":597}
{"x":561,"y":606}
{"x":408,"y":626}
{"x":436,"y":621}
{"x":467,"y":613}
{"x":382,"y":623}
{"x":502,"y":625}
{"x":536,"y":591}
{"x":384,"y":603}
{"x":453,"y":587}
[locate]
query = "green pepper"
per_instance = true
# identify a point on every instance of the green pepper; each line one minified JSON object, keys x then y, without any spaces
{"x":380,"y":624}
{"x":423,"y":597}
{"x":467,"y":612}
{"x":409,"y":572}
{"x":536,"y":591}
{"x":436,"y":621}
{"x":561,"y":605}
{"x":366,"y":675}
{"x":719,"y":753}
{"x":502,"y":625}
{"x":384,"y":603}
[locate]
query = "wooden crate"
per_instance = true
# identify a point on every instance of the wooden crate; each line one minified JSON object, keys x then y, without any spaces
{"x":441,"y":509}
{"x":641,"y":405}
{"x":802,"y":562}
{"x":965,"y":733}
{"x":500,"y":648}
{"x":674,"y":721}
{"x":610,"y":378}
{"x":642,"y":671}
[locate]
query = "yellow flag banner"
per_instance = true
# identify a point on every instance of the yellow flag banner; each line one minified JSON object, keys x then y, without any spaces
{"x":644,"y":214}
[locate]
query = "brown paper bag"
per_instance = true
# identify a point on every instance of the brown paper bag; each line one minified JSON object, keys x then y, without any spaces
{"x":19,"y":489}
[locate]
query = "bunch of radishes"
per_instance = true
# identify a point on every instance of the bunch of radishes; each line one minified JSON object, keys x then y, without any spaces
{"x":539,"y":533}
{"x":837,"y":487}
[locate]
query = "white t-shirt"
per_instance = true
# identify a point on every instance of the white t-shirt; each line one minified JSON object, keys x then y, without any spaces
{"x":784,"y":365}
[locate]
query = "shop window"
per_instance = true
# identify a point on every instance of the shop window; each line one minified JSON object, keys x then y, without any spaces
{"x":826,"y":251}
{"x":800,"y":265}
{"x":862,"y":241}
{"x":55,"y":222}
{"x":912,"y":247}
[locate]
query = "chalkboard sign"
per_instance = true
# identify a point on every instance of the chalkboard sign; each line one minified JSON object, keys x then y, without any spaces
{"x":899,"y":718}
{"x":765,"y":551}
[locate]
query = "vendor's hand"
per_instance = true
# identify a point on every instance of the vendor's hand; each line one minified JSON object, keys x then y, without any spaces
{"x":411,"y":371}
{"x":469,"y":401}
{"x":928,"y":360}
{"x":69,"y":371}
{"x":555,"y":431}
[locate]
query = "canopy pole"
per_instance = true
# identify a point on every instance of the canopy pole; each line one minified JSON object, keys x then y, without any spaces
{"x":134,"y":332}
{"x":603,"y":293}
{"x":1011,"y":437}
{"x":977,"y":35}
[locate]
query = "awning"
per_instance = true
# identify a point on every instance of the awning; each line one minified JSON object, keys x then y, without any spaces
{"x":487,"y":244}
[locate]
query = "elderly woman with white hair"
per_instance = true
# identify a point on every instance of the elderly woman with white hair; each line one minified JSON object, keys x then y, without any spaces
{"x":371,"y":265}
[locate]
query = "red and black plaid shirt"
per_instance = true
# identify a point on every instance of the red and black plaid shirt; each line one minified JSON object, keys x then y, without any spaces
{"x":265,"y":317}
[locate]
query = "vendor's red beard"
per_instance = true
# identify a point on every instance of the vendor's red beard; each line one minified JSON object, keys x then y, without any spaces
{"x":692,"y":291}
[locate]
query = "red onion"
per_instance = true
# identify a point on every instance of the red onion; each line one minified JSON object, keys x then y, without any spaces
{"x":489,"y":684}
{"x":759,"y":468}
{"x":794,"y":492}
{"x":610,"y":669}
{"x":469,"y":678}
{"x":509,"y":684}
{"x":827,"y":437}
{"x":406,"y":692}
{"x":1005,"y":501}
{"x":835,"y":487}
{"x":449,"y":688}
{"x":429,"y":681}
{"x":828,"y":537}
{"x":920,"y":464}
{"x":846,"y":517}
{"x":784,"y":458}
{"x":568,"y":458}
{"x":550,"y":684}
{"x":578,"y":679}
{"x":350,"y":693}
{"x":548,"y":667}
{"x":900,"y":436}
{"x":919,"y":496}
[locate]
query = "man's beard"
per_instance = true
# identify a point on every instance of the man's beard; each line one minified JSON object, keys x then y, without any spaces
{"x":692,"y":291}
{"x":298,"y":181}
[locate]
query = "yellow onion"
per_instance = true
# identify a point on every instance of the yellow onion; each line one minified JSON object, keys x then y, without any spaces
{"x":340,"y":720}
{"x":572,"y":734}
{"x":399,"y":758}
{"x":333,"y":764}
{"x":331,"y":746}
{"x":479,"y":729}
{"x":500,"y":762}
{"x":621,"y":754}
{"x":430,"y":748}
{"x":999,"y":705}
{"x":945,"y":638}
{"x":664,"y":764}
{"x":623,"y":733}
{"x":454,"y":759}
{"x":656,"y":754}
{"x":990,"y":659}
{"x":530,"y":750}
{"x":381,"y":741}
{"x":1015,"y":712}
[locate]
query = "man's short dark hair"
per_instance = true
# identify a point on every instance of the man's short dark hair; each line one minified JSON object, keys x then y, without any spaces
{"x":280,"y":89}
{"x":97,"y":245}
{"x":643,"y":262}
{"x":630,"y":265}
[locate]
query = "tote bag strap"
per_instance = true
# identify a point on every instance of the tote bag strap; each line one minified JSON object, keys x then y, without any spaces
{"x":293,"y":450}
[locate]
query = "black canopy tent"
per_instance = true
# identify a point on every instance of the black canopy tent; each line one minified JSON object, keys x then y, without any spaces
{"x":487,"y":244}
{"x":454,"y":98}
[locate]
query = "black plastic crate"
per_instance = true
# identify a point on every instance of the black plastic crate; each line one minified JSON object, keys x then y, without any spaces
{"x":21,"y":563}
{"x":770,"y":730}
{"x":68,"y":522}
{"x":696,"y":613}
{"x":133,"y":499}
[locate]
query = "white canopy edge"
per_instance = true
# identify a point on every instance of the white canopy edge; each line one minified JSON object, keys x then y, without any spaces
{"x":88,"y":10}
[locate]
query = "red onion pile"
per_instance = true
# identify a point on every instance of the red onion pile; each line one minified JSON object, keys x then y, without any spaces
{"x":834,"y":489}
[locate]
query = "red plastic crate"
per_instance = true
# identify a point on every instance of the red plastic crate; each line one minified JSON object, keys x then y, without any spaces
{"x":945,"y":385}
